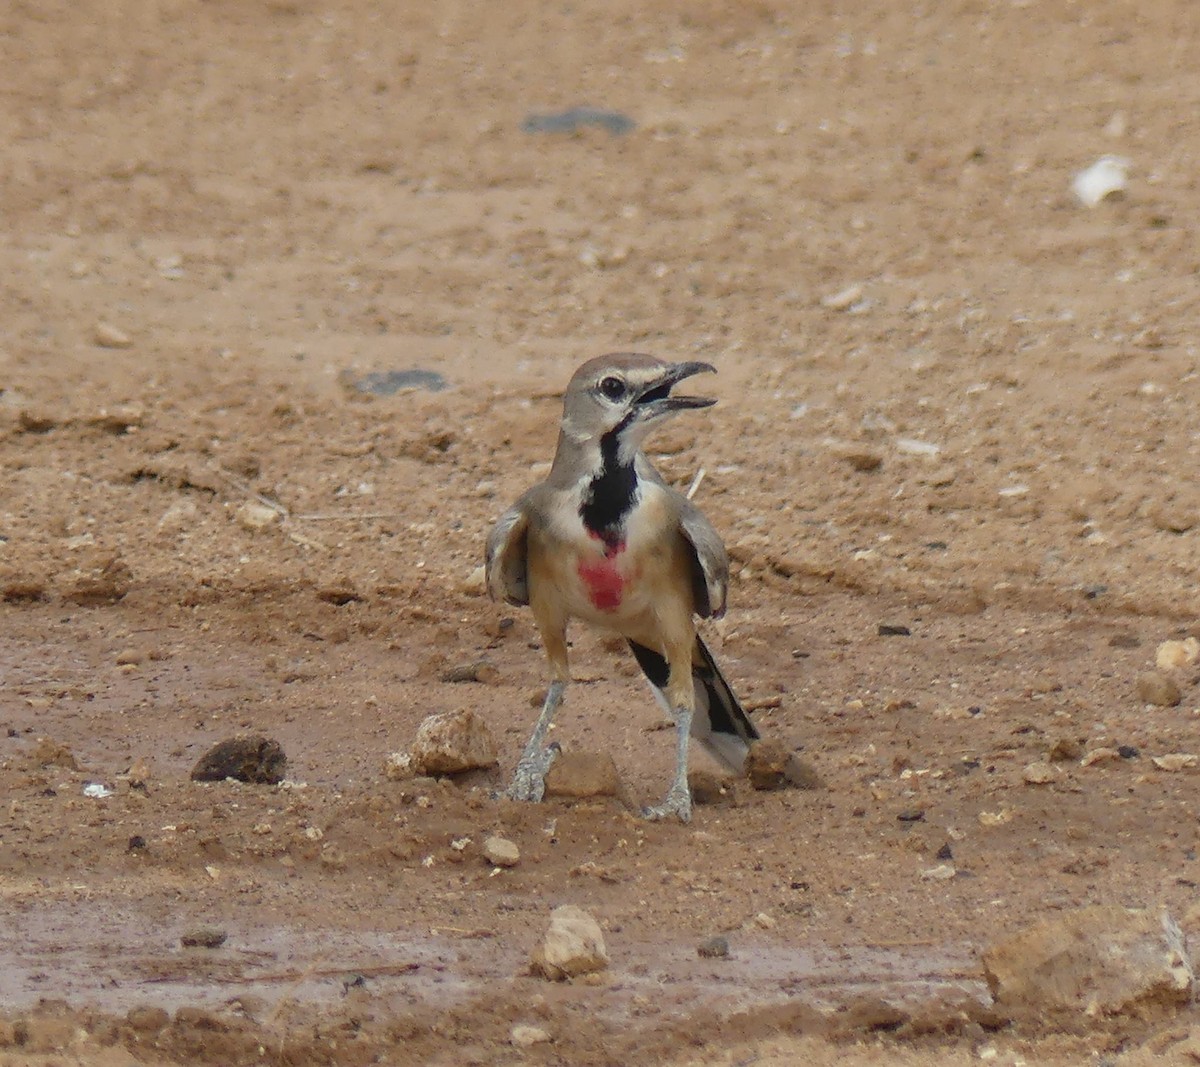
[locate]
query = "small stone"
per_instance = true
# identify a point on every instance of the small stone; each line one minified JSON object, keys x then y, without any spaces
{"x":451,"y":743}
{"x":1039,"y":773}
{"x":572,"y":946}
{"x":941,"y":873}
{"x":772,"y":765}
{"x":527,"y":1036}
{"x":500,"y":852}
{"x":130,"y":657}
{"x":204,"y":937}
{"x":583,"y":774}
{"x":1128,"y":751}
{"x":255,"y":759}
{"x":863,"y":460}
{"x":398,"y":767}
{"x":887,"y":629}
{"x":1175,"y":761}
{"x":256,"y":517}
{"x":480,"y":670}
{"x":1097,"y":961}
{"x":1158,"y":689}
{"x":713,"y":948}
{"x":709,"y":788}
{"x":106,"y":335}
{"x":475,"y":583}
{"x":843,"y":299}
{"x":764,"y":921}
{"x":147,"y":1020}
{"x":1172,"y":655}
{"x":1063,"y":749}
{"x":1100,"y":755}
{"x":105,"y":584}
{"x":48,"y":753}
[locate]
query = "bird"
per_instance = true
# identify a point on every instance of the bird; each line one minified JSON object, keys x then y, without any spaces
{"x":606,"y":541}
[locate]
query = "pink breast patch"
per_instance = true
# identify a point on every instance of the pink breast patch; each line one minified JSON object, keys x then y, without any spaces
{"x":603,"y":578}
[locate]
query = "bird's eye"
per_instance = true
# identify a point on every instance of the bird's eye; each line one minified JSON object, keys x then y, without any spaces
{"x":612,"y":388}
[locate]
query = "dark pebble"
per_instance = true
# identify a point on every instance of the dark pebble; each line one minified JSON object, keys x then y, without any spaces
{"x":255,"y":759}
{"x":1124,"y":641}
{"x":889,"y":630}
{"x":1128,"y":752}
{"x":713,"y":948}
{"x":204,"y":937}
{"x":389,"y":382}
{"x":945,"y":852}
{"x":572,"y":119}
{"x":913,"y":815}
{"x":135,"y":843}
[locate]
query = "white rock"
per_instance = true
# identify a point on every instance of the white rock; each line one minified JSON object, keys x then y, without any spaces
{"x":475,"y":583}
{"x":1100,"y":960}
{"x":1104,"y":178}
{"x":452,"y":742}
{"x":573,"y":945}
{"x":1175,"y":761}
{"x":254,"y":516}
{"x":911,"y":446}
{"x":1174,"y":654}
{"x":398,"y":767}
{"x":527,"y":1036}
{"x":500,"y":852}
{"x":1039,"y":773}
{"x":106,"y":335}
{"x":844,"y":299}
{"x":941,"y":873}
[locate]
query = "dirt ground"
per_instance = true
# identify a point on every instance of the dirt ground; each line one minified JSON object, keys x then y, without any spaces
{"x":952,"y":400}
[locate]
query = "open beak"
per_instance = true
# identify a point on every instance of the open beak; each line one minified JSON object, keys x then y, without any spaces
{"x":656,"y":398}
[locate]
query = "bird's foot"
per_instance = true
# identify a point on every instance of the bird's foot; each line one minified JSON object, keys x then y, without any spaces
{"x":678,"y":804}
{"x":529,"y":781}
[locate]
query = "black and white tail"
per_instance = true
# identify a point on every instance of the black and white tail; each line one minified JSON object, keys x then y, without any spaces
{"x":719,"y":723}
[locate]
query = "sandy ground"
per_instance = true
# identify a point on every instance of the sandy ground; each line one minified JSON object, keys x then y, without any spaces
{"x":951,"y":399}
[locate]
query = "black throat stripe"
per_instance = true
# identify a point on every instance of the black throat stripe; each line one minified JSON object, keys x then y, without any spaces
{"x":611,"y":494}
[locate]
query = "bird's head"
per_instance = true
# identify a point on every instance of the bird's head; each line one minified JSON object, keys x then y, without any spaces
{"x":625,"y":395}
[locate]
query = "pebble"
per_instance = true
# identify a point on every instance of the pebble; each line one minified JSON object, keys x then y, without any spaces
{"x":1175,"y":761}
{"x":843,"y":299}
{"x":147,"y":1020}
{"x":1091,"y":963}
{"x":106,"y":335}
{"x":572,"y":946}
{"x":583,"y":774}
{"x":254,"y":758}
{"x":941,"y":873}
{"x":1065,"y":748}
{"x":480,"y":670}
{"x":1039,"y":773}
{"x":1099,"y":755}
{"x":500,"y":852}
{"x":708,"y":787}
{"x":713,"y":948}
{"x":772,"y":765}
{"x":398,"y":767}
{"x":1158,"y":689}
{"x":572,"y":119}
{"x":475,"y":583}
{"x":204,"y":937}
{"x":390,"y":382}
{"x":523,"y":1036}
{"x":1172,"y":655}
{"x":254,"y":516}
{"x":453,"y":742}
{"x":886,"y":629}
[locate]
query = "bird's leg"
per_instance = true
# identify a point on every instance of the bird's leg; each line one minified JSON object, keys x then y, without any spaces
{"x":678,"y":801}
{"x":682,"y":695}
{"x":529,"y":781}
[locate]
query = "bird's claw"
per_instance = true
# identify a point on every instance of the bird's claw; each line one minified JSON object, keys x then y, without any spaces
{"x":678,"y":804}
{"x":529,"y":781}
